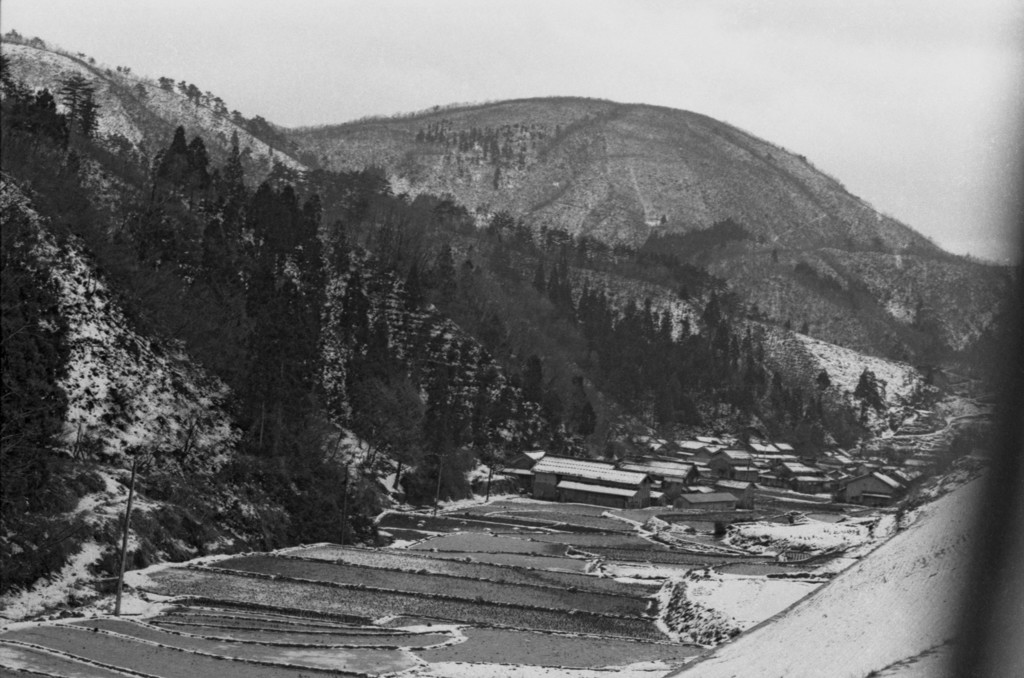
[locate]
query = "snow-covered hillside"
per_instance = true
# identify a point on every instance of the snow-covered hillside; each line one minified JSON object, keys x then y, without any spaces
{"x":125,"y":392}
{"x":896,"y":604}
{"x":799,"y":354}
{"x":136,"y":108}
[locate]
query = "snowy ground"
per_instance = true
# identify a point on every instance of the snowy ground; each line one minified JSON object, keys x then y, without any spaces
{"x":893,"y":605}
{"x":811,"y":536}
{"x":747,"y":600}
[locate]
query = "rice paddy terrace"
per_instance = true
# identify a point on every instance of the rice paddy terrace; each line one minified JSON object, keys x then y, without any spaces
{"x":509,"y":588}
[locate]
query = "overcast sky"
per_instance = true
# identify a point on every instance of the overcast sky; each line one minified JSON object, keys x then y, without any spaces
{"x":915,"y":105}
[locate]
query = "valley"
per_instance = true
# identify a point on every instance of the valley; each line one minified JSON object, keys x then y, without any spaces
{"x":539,"y":387}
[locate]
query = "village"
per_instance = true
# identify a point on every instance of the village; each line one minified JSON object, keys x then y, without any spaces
{"x":720,"y":474}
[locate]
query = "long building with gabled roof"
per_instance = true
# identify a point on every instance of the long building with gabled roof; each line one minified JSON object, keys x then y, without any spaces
{"x":590,"y":482}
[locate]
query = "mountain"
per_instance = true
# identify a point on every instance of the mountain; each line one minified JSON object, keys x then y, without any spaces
{"x":790,"y":240}
{"x":800,"y":247}
{"x":617,"y":172}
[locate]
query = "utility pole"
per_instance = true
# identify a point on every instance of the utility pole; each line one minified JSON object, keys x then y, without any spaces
{"x":344,"y":506}
{"x":124,"y":537}
{"x":437,"y":490}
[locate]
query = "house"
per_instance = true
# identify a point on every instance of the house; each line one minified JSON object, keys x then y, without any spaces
{"x":785,"y":448}
{"x":808,"y":484}
{"x":690,"y":447}
{"x":702,"y":455}
{"x":589,"y":482}
{"x":710,"y":501}
{"x":788,"y":470}
{"x":747,"y":474}
{"x":723,"y":464}
{"x":871,"y":489}
{"x":601,"y":495}
{"x":743,"y":491}
{"x":669,"y":477}
{"x":525,"y":460}
{"x":761,"y":448}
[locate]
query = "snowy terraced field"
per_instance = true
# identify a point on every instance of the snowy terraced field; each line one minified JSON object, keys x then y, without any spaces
{"x":546,"y":649}
{"x":537,"y":562}
{"x":474,"y":598}
{"x":450,"y":586}
{"x":372,"y":604}
{"x":396,"y":560}
{"x":489,"y":544}
{"x":493,"y":523}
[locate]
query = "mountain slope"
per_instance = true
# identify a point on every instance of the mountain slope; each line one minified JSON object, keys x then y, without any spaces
{"x":647,"y":176}
{"x":138,"y":113}
{"x":614,"y":171}
{"x":897,"y":603}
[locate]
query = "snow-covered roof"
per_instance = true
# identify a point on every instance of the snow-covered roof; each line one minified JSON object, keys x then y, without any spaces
{"x":708,"y":498}
{"x":895,"y":484}
{"x":657,"y":467}
{"x":809,"y":479}
{"x":733,"y":484}
{"x":708,"y":440}
{"x":596,"y":489}
{"x":590,"y":470}
{"x":796,"y":468}
{"x":737,"y":455}
{"x":764,"y":447}
{"x":784,"y":447}
{"x":691,"y":444}
{"x":536,"y":455}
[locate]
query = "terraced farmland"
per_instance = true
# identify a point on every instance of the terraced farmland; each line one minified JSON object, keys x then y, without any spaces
{"x":489,"y":591}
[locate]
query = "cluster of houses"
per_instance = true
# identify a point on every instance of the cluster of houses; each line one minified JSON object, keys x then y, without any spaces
{"x":713,"y":474}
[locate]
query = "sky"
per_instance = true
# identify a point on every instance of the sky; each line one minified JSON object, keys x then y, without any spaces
{"x":914,"y":105}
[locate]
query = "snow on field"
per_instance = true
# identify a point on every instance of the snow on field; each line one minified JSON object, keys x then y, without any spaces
{"x":629,"y":571}
{"x":747,"y":600}
{"x":466,"y":670}
{"x":893,"y":605}
{"x":812,"y":535}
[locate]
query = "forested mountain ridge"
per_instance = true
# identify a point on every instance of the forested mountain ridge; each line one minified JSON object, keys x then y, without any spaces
{"x":137,"y":114}
{"x":662,"y":179}
{"x":303,"y":334}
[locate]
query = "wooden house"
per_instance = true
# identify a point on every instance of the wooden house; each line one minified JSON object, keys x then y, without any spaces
{"x":724,"y":463}
{"x":590,"y":482}
{"x":710,"y":501}
{"x":667,"y":477}
{"x":742,"y":490}
{"x":871,"y":489}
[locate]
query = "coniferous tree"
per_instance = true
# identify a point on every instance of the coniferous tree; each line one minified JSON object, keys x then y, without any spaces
{"x":77,"y":95}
